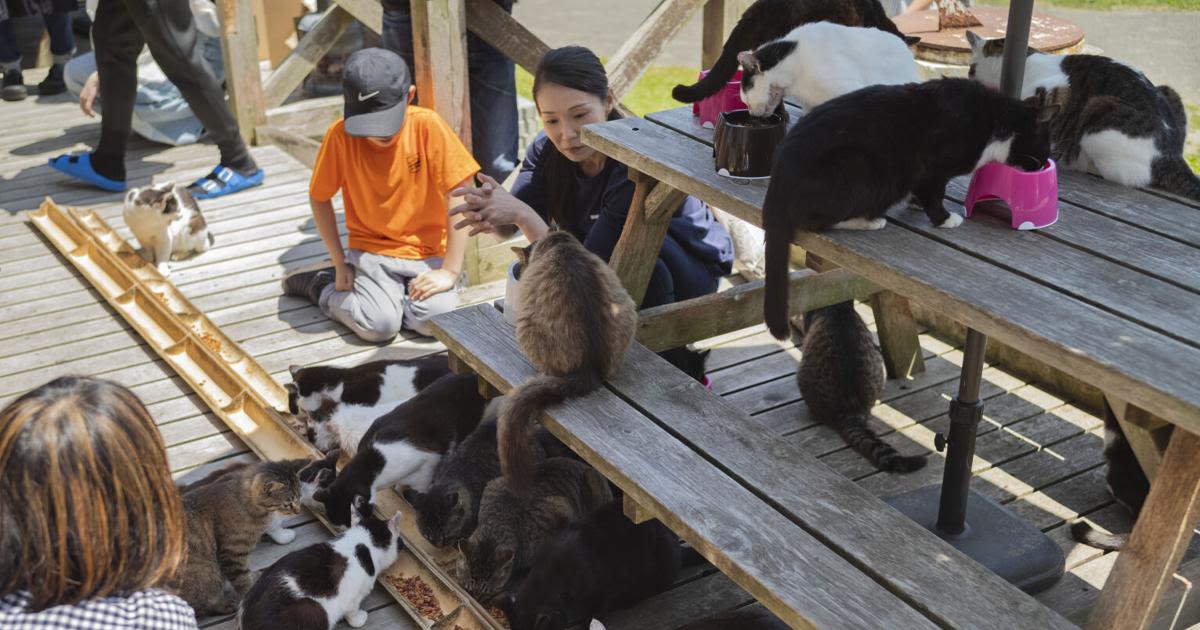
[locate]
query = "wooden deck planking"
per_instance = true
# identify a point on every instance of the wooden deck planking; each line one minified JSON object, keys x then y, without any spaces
{"x":749,"y":365}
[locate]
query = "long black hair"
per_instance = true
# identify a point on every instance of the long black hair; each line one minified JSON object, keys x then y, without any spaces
{"x":577,"y":68}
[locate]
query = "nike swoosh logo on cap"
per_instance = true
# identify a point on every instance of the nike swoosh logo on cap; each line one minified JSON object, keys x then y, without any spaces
{"x":362,"y":97}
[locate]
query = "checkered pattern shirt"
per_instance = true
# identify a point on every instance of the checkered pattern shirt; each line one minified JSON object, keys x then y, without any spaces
{"x":143,"y":610}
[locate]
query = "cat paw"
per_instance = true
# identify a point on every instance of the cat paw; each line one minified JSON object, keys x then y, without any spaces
{"x":282,"y":535}
{"x":952,"y":221}
{"x":357,"y":619}
{"x":164,"y":269}
{"x":876,"y":224}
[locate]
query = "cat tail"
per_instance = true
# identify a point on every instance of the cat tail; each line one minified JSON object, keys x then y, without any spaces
{"x":778,"y":240}
{"x":1178,"y":113}
{"x":859,"y":436}
{"x":1083,"y":532}
{"x":725,"y":67}
{"x":521,"y":407}
{"x":1173,"y":174}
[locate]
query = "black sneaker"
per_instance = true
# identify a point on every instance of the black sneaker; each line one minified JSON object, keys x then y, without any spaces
{"x":53,"y":83}
{"x":14,"y":86}
{"x":308,"y":282}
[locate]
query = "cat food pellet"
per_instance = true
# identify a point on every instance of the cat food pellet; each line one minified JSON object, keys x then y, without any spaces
{"x":210,"y":341}
{"x":418,"y":593}
{"x":499,"y":616}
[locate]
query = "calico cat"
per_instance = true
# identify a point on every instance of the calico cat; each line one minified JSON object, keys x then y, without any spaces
{"x":339,"y":404}
{"x":513,"y":527}
{"x":841,"y":376}
{"x":1127,"y":483}
{"x":225,"y":518}
{"x":1116,"y":120}
{"x":817,"y":62}
{"x":595,"y":565}
{"x":768,"y":20}
{"x":576,"y":324}
{"x":312,"y":588}
{"x":167,"y":222}
{"x":846,"y":162}
{"x":404,"y":446}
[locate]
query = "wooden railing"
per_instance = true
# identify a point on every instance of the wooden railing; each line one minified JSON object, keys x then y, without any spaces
{"x":440,"y":60}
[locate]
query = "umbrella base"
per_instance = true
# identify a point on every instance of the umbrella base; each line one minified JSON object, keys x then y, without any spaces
{"x":994,"y":537}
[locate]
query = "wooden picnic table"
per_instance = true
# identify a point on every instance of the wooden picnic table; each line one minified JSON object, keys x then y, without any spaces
{"x":1110,"y":294}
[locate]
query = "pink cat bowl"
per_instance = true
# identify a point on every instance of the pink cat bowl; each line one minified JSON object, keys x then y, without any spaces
{"x":728,"y":99}
{"x":1031,"y":195}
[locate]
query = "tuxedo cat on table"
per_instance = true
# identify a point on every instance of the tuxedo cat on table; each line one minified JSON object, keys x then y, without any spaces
{"x":167,"y":222}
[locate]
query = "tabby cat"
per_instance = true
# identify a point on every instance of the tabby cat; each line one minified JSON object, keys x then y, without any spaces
{"x":576,"y":324}
{"x":841,"y":376}
{"x":768,"y":20}
{"x":225,"y":518}
{"x":513,"y":527}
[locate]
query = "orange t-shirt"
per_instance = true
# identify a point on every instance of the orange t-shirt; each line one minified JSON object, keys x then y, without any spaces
{"x":395,"y":196}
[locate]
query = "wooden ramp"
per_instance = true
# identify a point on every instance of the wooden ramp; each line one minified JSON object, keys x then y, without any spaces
{"x":1037,"y":453}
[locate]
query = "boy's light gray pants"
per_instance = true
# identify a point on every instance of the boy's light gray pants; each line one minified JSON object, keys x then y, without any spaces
{"x":379,"y":304}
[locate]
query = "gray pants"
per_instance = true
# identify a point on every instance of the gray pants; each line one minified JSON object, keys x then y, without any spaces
{"x":379,"y":305}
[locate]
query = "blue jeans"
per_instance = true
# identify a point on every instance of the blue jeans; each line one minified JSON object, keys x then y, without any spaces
{"x":493,"y":89}
{"x":58,"y":25}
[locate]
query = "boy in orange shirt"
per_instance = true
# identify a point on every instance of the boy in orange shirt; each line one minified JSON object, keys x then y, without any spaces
{"x":395,"y":166}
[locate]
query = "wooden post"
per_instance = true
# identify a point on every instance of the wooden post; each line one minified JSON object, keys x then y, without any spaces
{"x":897,"y":335}
{"x":631,"y":60}
{"x":301,"y":61}
{"x":641,"y":238}
{"x":634,"y":511}
{"x":719,"y":18}
{"x":504,"y":33}
{"x":1164,"y":529}
{"x":242,"y":80}
{"x":440,"y":56}
{"x":1147,"y":434}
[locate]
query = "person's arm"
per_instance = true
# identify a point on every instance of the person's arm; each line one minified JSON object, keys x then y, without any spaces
{"x":436,"y":281}
{"x":492,"y":210}
{"x":326,"y":221}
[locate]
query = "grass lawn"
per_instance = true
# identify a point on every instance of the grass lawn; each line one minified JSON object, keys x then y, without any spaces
{"x":1192,"y":151}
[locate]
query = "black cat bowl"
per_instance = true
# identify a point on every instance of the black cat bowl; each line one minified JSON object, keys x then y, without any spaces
{"x":743,"y":144}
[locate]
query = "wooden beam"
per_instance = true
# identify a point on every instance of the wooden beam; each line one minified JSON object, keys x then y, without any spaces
{"x":310,"y":117}
{"x":642,"y":236}
{"x":1144,"y":568}
{"x":719,"y":18}
{"x":303,"y":148}
{"x":369,"y":12}
{"x":674,"y":325}
{"x":897,"y":335}
{"x":634,"y":511}
{"x":1147,"y":434}
{"x":240,"y":50}
{"x":647,"y":41}
{"x":301,"y":61}
{"x":440,"y":56}
{"x":504,"y":33}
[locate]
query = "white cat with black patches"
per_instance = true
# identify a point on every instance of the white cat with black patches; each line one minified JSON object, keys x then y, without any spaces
{"x":819,"y":61}
{"x":1115,"y":120}
{"x":314,"y":587}
{"x":338,"y":405}
{"x":167,"y":222}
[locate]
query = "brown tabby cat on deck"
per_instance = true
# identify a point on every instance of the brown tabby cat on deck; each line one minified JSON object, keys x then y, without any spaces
{"x":226,"y":516}
{"x":512,"y":527}
{"x":841,"y":376}
{"x":576,"y":323}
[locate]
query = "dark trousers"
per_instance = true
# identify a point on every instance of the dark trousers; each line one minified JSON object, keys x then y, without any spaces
{"x":677,"y":276}
{"x":492,"y":86}
{"x":166,"y":26}
{"x":58,"y":25}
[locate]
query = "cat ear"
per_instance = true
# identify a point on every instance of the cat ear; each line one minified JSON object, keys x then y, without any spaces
{"x":749,"y":61}
{"x":331,"y":457}
{"x":294,"y":369}
{"x":1048,"y":103}
{"x":596,"y":625}
{"x":911,"y":40}
{"x":394,"y":523}
{"x":506,"y":602}
{"x":412,"y":496}
{"x":324,"y":478}
{"x":321,"y":495}
{"x":974,"y":40}
{"x":131,"y":195}
{"x":356,"y":509}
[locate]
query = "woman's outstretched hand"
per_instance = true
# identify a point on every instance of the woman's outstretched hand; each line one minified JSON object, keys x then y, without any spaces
{"x":488,"y":209}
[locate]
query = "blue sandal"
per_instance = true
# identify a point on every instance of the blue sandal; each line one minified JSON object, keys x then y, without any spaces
{"x":224,"y":181}
{"x":80,"y":167}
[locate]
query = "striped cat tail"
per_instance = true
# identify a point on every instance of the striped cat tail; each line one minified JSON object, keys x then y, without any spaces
{"x":523,"y":406}
{"x":859,"y":436}
{"x":1173,"y":174}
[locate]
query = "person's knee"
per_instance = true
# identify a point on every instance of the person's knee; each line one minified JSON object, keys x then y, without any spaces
{"x":418,"y":314}
{"x":379,"y":329}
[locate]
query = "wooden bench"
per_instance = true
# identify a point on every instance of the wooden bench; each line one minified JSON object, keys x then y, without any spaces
{"x":1109,"y":295}
{"x":811,"y":545}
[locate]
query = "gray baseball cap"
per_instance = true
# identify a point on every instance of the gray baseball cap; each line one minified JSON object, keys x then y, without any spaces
{"x":375,"y":86}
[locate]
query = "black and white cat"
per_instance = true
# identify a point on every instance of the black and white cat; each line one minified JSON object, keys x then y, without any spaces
{"x":1115,"y":120}
{"x":403,"y":447}
{"x":820,"y":61}
{"x":314,"y":587}
{"x":1126,"y":481}
{"x":167,"y":222}
{"x":338,"y":405}
{"x":845,"y":163}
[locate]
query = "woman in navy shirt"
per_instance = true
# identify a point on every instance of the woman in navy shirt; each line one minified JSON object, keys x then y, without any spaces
{"x":575,"y":188}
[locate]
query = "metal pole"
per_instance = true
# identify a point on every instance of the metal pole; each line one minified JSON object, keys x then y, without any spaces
{"x":1016,"y":43}
{"x":966,"y":410}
